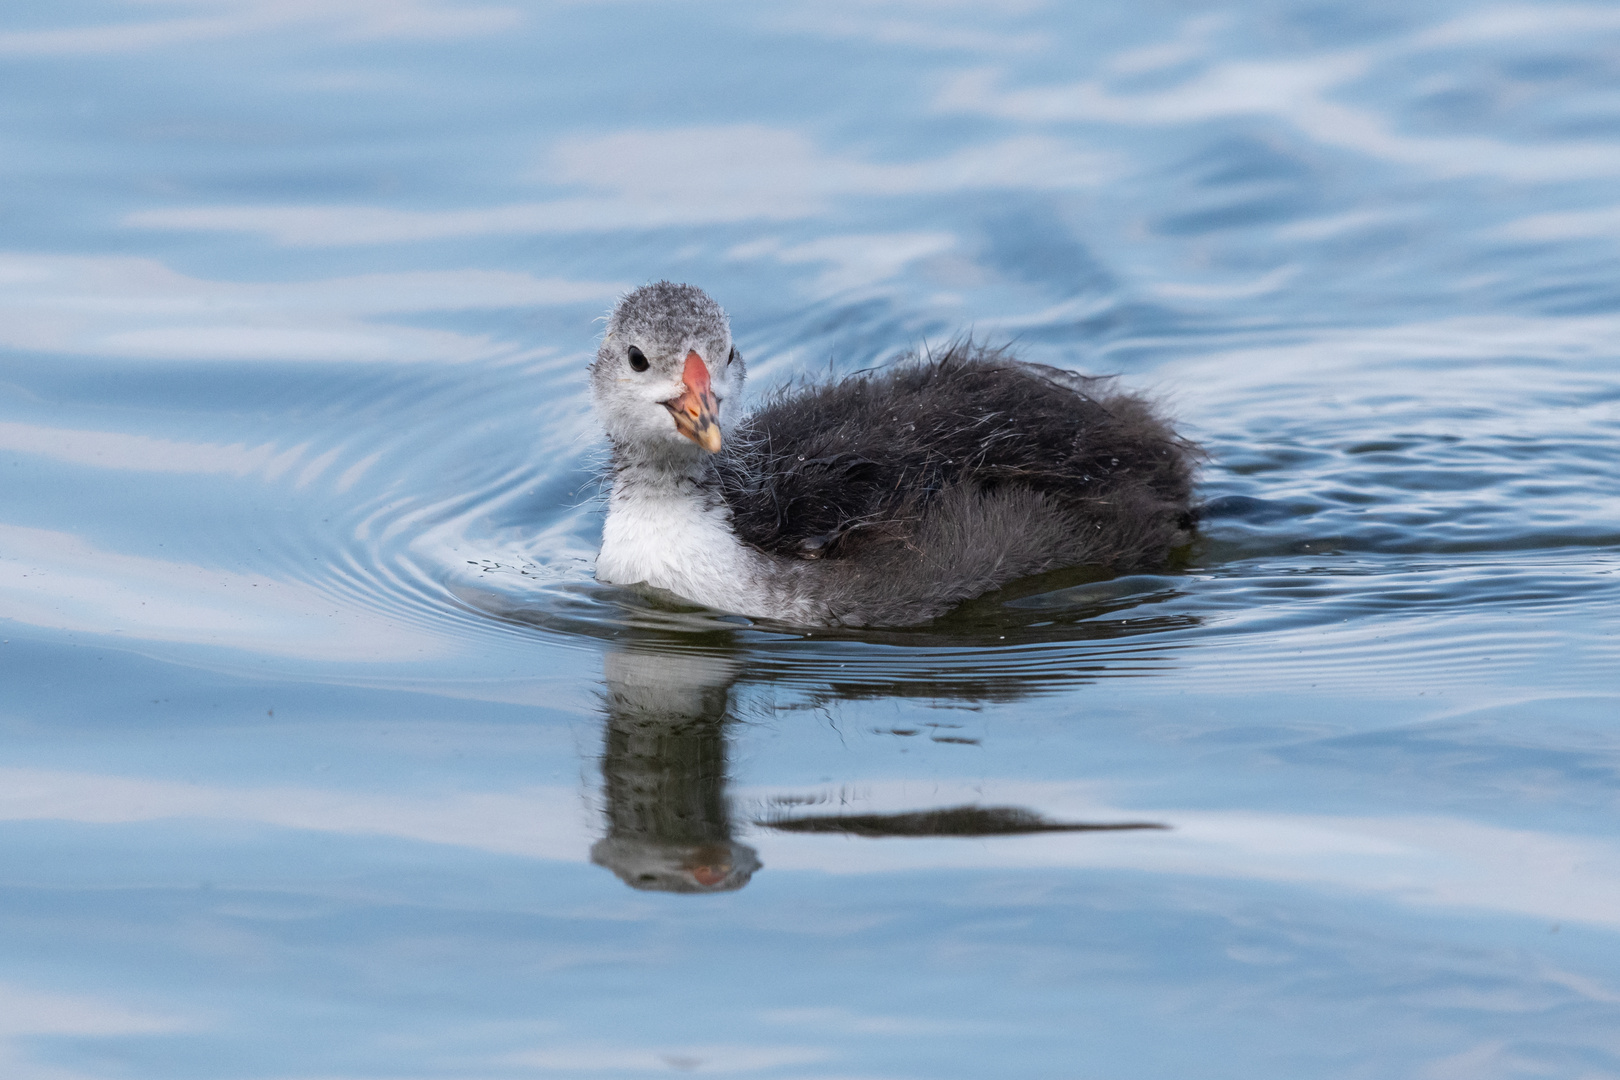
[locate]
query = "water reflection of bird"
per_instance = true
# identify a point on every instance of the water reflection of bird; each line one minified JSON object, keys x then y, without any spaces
{"x":664,"y":774}
{"x":885,"y":498}
{"x":669,"y":703}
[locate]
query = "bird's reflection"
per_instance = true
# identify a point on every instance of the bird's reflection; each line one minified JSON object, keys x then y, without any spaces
{"x":669,"y":825}
{"x":675,"y":677}
{"x":664,"y":773}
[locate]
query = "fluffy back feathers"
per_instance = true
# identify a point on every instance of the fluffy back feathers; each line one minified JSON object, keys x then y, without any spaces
{"x":835,"y":471}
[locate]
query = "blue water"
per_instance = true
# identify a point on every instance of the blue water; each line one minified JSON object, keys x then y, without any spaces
{"x":323,"y":756}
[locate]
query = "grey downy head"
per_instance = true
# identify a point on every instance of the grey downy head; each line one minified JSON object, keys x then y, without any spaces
{"x":665,"y":370}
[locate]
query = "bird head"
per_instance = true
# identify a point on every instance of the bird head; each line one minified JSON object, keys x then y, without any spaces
{"x":665,"y":369}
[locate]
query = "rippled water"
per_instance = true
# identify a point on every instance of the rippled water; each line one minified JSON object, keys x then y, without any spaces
{"x":325,"y":757}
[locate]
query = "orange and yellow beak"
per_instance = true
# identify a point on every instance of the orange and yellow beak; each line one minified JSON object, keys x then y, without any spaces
{"x":694,"y":411}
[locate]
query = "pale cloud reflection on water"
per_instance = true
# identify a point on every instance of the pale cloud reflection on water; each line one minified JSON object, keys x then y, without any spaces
{"x":212,"y":20}
{"x":133,"y":307}
{"x":57,"y":581}
{"x":704,"y":176}
{"x":1427,"y":862}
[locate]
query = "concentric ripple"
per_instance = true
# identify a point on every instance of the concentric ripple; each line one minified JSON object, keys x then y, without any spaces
{"x":466,"y":505}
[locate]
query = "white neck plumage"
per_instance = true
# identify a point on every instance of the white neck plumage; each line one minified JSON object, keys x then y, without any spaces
{"x":668,"y":526}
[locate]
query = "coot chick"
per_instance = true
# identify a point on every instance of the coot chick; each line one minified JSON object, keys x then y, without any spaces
{"x":881,"y":499}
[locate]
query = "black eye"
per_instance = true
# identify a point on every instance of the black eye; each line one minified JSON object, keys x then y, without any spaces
{"x":638,"y":359}
{"x":732,"y":357}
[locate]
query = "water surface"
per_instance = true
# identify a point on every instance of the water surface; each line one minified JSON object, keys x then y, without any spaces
{"x":326,"y":758}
